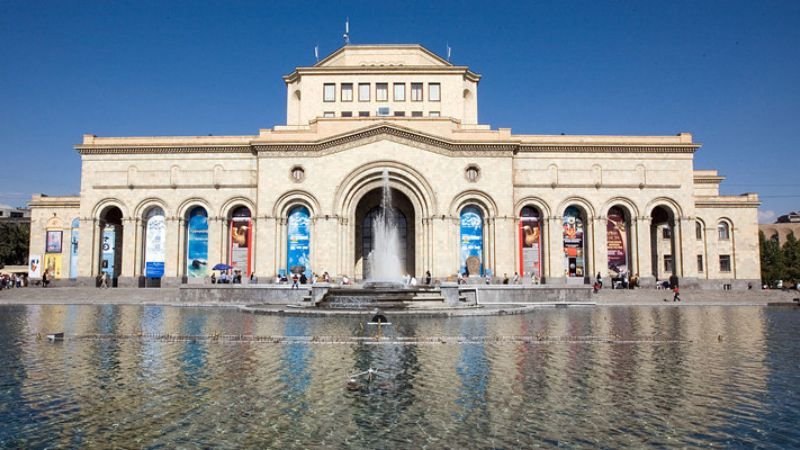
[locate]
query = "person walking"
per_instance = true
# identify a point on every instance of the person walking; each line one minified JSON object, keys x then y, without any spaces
{"x":673,"y":283}
{"x":427,"y":277}
{"x":295,"y":280}
{"x":515,"y":280}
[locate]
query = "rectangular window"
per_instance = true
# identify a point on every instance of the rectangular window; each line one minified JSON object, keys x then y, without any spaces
{"x":382,"y":92}
{"x":363,"y":92}
{"x":363,"y":114}
{"x":384,"y":111}
{"x":434,"y":114}
{"x":666,"y":233}
{"x":347,"y":92}
{"x":416,"y":92}
{"x":328,"y":114}
{"x":434,"y":92}
{"x":700,"y":263}
{"x":724,"y":263}
{"x":329,"y":92}
{"x":667,"y":263}
{"x":399,"y":113}
{"x":399,"y":92}
{"x":347,"y":113}
{"x":416,"y":113}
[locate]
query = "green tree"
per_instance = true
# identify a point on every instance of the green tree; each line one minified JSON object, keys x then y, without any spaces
{"x":791,"y":257}
{"x":14,"y":239}
{"x":773,"y":265}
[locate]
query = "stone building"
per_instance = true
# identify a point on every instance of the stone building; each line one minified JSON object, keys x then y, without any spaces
{"x":301,"y":197}
{"x":784,"y":226}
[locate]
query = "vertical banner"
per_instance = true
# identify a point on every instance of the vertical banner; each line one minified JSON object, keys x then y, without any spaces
{"x":241,"y":229}
{"x":35,"y":266}
{"x":155,"y":233}
{"x":472,"y":240}
{"x":573,"y":243}
{"x":617,"y":237}
{"x":109,"y":247}
{"x":53,"y":243}
{"x":73,"y":248}
{"x":197,"y":243}
{"x":530,"y":236}
{"x":52,"y":264}
{"x":298,"y":241}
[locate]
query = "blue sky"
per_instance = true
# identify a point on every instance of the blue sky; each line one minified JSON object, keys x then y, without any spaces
{"x":725,"y":71}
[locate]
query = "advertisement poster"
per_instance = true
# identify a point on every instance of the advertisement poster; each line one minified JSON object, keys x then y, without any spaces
{"x":240,"y":244}
{"x":52,"y":264}
{"x":155,"y":233}
{"x":471,"y":239}
{"x":197,"y":244}
{"x":109,"y":246}
{"x":617,"y":243}
{"x":299,"y":239}
{"x":530,"y":244}
{"x":573,"y":243}
{"x":53,"y":243}
{"x":35,"y":266}
{"x":73,"y":249}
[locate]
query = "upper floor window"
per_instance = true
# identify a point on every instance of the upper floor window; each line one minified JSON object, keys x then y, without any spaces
{"x":347,"y":113}
{"x":399,"y":92}
{"x":416,"y":113}
{"x":363,"y":114}
{"x":329,"y":92}
{"x":416,"y":92}
{"x":363,"y":92}
{"x":698,"y":231}
{"x":347,"y":92}
{"x":399,"y":113}
{"x":382,"y":92}
{"x":435,"y":114}
{"x":328,"y":114}
{"x":666,"y":233}
{"x":724,"y":263}
{"x":434,"y":92}
{"x":724,"y":231}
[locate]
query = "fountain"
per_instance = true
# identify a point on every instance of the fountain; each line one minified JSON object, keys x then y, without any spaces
{"x":385,"y":266}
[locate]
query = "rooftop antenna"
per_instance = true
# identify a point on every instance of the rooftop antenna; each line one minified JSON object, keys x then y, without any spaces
{"x":449,"y":50}
{"x":347,"y":31}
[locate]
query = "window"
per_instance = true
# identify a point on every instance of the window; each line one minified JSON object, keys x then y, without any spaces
{"x":416,"y":113}
{"x":416,"y":92}
{"x":329,"y":92}
{"x":724,"y":231}
{"x":347,"y":92}
{"x":698,"y":231}
{"x":667,"y":263}
{"x":399,"y":92}
{"x":363,"y":92}
{"x":298,"y":174}
{"x":363,"y":114}
{"x":666,"y":233}
{"x":382,"y":92}
{"x":434,"y":114}
{"x":724,"y":263}
{"x":328,"y":114}
{"x":347,"y":113}
{"x":384,"y":111}
{"x":434,"y":92}
{"x":700,"y":263}
{"x":399,"y":113}
{"x":472,"y":173}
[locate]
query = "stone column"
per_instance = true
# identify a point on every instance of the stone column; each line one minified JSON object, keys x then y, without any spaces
{"x":267,"y":245}
{"x":643,"y":262}
{"x":506,"y":250}
{"x":555,"y":242}
{"x":127,"y":274}
{"x":88,"y":252}
{"x":600,"y":246}
{"x":173,"y":248}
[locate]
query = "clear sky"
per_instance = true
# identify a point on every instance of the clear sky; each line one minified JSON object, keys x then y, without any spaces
{"x":726,"y":71}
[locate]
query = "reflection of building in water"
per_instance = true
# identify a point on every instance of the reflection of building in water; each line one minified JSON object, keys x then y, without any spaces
{"x":554,"y":208}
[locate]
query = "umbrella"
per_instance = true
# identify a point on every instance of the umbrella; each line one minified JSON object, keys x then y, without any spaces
{"x":222,"y":266}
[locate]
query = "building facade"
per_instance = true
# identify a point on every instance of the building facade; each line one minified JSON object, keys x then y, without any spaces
{"x":301,"y":197}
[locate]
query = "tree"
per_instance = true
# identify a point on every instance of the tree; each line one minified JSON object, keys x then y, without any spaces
{"x":14,"y":239}
{"x":791,"y":257}
{"x":773,"y":266}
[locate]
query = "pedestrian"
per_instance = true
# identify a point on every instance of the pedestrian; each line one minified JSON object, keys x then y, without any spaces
{"x":295,"y":280}
{"x":303,"y":278}
{"x":427,"y":277}
{"x":213,"y":278}
{"x":505,"y":278}
{"x":488,"y":278}
{"x":676,"y":294}
{"x":515,"y":280}
{"x":104,"y":280}
{"x":45,"y":277}
{"x":413,"y":281}
{"x":599,"y":281}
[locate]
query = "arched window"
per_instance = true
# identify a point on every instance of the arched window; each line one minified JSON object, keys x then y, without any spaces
{"x":618,"y":242}
{"x":197,"y":243}
{"x":298,"y":241}
{"x":574,"y":251}
{"x":698,"y":231}
{"x":724,"y":231}
{"x":471,"y":251}
{"x":530,"y":242}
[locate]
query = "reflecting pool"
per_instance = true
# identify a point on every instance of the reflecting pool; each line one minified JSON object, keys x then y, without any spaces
{"x":609,"y":377}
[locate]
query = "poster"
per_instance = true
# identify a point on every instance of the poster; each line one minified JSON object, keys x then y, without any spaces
{"x":530,"y":243}
{"x":197,"y":244}
{"x":155,"y":233}
{"x":241,"y":235}
{"x":299,"y":240}
{"x":617,"y":238}
{"x":53,"y":243}
{"x":73,"y":249}
{"x":573,"y":243}
{"x":471,"y":238}
{"x":52,"y":264}
{"x":35,"y":266}
{"x":108,"y":250}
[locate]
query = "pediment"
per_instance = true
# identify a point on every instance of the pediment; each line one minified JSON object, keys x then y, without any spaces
{"x":382,"y":56}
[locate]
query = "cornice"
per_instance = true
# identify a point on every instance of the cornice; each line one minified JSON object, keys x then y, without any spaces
{"x":159,"y":149}
{"x":607,"y":148}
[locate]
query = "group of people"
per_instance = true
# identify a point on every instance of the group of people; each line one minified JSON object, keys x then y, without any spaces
{"x":9,"y":281}
{"x":224,"y":278}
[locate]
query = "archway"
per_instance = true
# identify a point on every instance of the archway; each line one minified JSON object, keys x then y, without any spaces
{"x":662,"y":242}
{"x":574,"y":239}
{"x":618,"y":243}
{"x":154,"y":232}
{"x":240,"y":234}
{"x":530,"y":243}
{"x":196,"y":223}
{"x":111,"y":243}
{"x":403,"y":218}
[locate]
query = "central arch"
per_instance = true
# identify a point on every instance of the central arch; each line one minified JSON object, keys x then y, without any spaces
{"x":401,"y":216}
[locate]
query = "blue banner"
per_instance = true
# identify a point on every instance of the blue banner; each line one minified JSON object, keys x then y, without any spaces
{"x":73,"y":248}
{"x":197,"y":243}
{"x":109,"y":248}
{"x":471,"y":238}
{"x":299,"y":240}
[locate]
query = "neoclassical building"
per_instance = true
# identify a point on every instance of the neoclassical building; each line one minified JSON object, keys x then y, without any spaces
{"x":302,"y":196}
